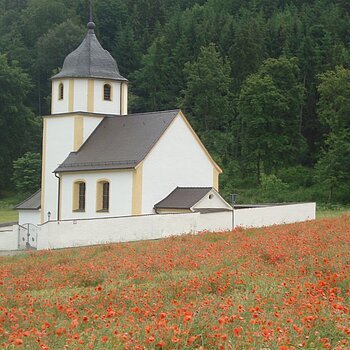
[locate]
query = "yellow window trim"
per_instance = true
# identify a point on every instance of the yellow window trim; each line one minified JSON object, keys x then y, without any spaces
{"x":60,"y":95}
{"x":75,"y":194}
{"x":111,"y":92}
{"x":99,"y":194}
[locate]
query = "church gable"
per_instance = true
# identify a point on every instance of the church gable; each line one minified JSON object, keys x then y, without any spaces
{"x":177,"y":159}
{"x":119,"y":142}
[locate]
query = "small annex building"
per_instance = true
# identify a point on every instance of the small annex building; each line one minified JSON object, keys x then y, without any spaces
{"x":99,"y":161}
{"x":192,"y":199}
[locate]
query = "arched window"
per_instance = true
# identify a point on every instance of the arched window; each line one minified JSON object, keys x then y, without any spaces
{"x":107,"y":92}
{"x":79,"y":192}
{"x":60,"y":91}
{"x":102,"y":197}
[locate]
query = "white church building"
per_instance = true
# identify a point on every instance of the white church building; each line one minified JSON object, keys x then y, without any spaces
{"x":110,"y":176}
{"x":99,"y":161}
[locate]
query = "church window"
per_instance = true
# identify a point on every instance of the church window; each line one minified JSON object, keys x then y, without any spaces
{"x":79,"y":194}
{"x":107,"y":92}
{"x":60,"y":91}
{"x":102,"y":196}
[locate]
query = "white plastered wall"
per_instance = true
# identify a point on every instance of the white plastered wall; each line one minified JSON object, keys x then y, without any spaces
{"x":80,"y":95}
{"x":176,"y":160}
{"x":59,"y":106}
{"x":90,"y":124}
{"x":29,"y":217}
{"x":76,"y":233}
{"x":108,"y":107}
{"x":274,"y":215}
{"x":58,"y":143}
{"x":120,"y":197}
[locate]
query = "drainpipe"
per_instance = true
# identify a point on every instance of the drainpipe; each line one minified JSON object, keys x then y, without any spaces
{"x":58,"y":197}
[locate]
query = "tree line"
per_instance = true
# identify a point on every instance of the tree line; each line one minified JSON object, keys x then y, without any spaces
{"x":266,"y":84}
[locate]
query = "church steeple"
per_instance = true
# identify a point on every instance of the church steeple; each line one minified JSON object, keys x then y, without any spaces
{"x":90,"y":80}
{"x":90,"y":60}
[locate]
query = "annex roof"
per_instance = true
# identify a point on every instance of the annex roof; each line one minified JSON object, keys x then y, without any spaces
{"x":183,"y":198}
{"x":90,"y":60}
{"x":31,"y":203}
{"x":119,"y":142}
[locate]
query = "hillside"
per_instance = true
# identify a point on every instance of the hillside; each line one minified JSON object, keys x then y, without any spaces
{"x":283,"y":287}
{"x":264,"y":83}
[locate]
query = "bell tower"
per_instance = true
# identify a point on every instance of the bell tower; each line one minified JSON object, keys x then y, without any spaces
{"x":88,"y":88}
{"x":89,"y":81}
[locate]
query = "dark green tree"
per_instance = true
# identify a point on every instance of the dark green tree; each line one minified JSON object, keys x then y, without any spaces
{"x":27,"y":173}
{"x":207,"y":99}
{"x":52,"y":48}
{"x":17,"y":124}
{"x":269,"y":111}
{"x":207,"y":92}
{"x":334,"y":111}
{"x":248,"y":49}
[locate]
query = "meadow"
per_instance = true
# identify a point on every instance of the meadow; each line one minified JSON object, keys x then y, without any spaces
{"x":283,"y":287}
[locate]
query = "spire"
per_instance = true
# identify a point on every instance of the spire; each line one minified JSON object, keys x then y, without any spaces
{"x":91,"y":24}
{"x":90,"y":59}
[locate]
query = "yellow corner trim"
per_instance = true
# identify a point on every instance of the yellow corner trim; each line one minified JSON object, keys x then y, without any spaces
{"x":60,"y":201}
{"x":216,"y":179}
{"x":200,"y":142}
{"x":78,"y":132}
{"x":121,"y":106}
{"x":43,"y":168}
{"x":71,"y":95}
{"x":52,"y":94}
{"x":137,"y":190}
{"x":90,"y":96}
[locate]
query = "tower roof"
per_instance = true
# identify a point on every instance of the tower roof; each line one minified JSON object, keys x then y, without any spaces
{"x":90,"y":60}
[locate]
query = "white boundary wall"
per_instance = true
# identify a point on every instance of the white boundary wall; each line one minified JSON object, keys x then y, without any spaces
{"x":274,"y":215}
{"x":9,"y":238}
{"x":74,"y":233}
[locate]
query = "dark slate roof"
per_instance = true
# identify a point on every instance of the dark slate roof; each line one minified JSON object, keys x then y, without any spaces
{"x":31,"y":203}
{"x":90,"y":60}
{"x":183,"y":198}
{"x":119,"y":142}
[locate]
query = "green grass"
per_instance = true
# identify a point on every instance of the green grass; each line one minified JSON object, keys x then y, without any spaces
{"x":7,"y":213}
{"x":331,"y":213}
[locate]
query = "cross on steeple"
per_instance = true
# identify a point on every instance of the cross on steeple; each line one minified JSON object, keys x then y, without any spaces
{"x":90,"y":18}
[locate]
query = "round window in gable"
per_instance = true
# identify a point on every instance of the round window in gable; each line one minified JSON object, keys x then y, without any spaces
{"x":211,"y":196}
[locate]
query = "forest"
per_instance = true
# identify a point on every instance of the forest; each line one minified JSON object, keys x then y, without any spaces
{"x":265,"y":84}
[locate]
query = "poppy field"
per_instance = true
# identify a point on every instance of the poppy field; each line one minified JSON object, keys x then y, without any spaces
{"x":283,"y":287}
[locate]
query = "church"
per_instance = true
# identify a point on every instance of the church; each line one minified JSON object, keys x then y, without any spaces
{"x":99,"y":161}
